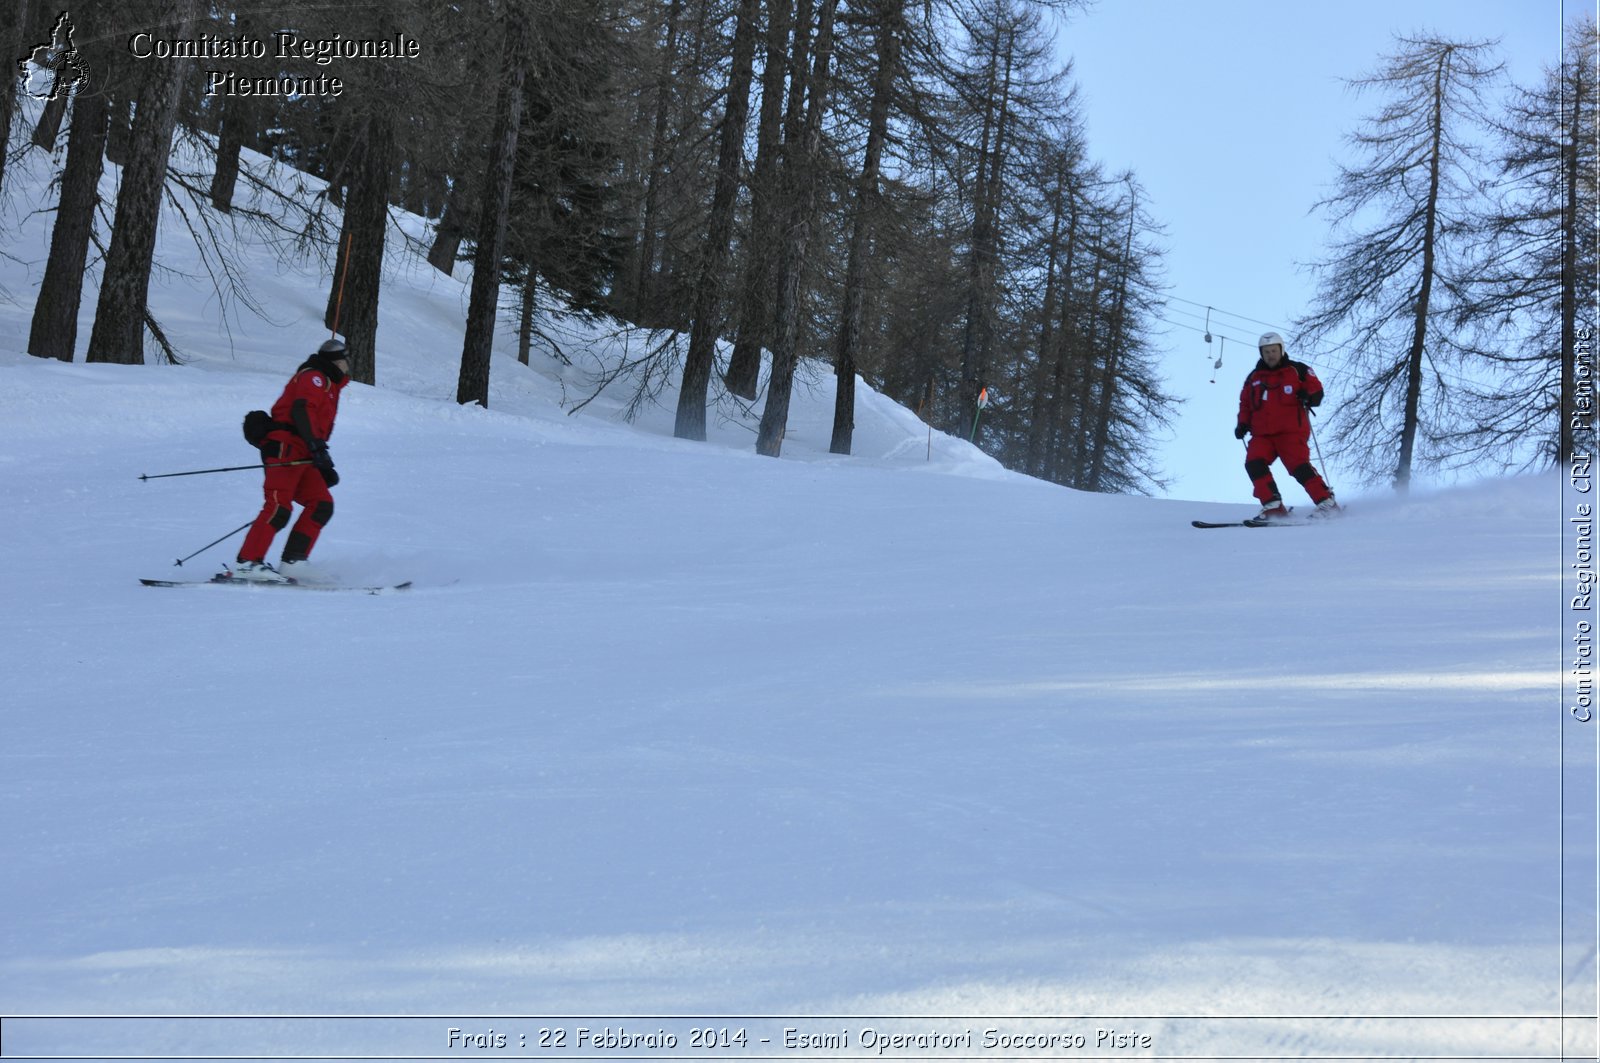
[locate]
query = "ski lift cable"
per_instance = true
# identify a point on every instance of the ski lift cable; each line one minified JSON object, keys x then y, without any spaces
{"x":1194,"y":324}
{"x":1197,"y":328}
{"x":1225,"y":313}
{"x":1334,"y":354}
{"x":1209,"y":325}
{"x":1331,"y":353}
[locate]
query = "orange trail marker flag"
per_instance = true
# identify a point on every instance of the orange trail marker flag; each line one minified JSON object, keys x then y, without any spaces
{"x":983,"y":400}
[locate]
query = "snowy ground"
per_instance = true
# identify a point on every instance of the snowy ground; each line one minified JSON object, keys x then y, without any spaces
{"x":669,"y":730}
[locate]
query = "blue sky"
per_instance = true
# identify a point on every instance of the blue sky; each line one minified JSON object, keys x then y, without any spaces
{"x":1232,"y":114}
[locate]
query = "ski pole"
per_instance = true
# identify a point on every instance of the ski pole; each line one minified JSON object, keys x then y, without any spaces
{"x":1322,"y":466}
{"x":229,"y":468}
{"x":214,"y":542}
{"x":1311,"y":431}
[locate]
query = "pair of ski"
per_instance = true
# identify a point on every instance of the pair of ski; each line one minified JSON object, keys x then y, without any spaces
{"x":1251,"y":523}
{"x":1260,"y":522}
{"x":225,"y":579}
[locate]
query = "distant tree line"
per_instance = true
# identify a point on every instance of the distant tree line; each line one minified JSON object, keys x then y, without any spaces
{"x":897,"y":190}
{"x":1465,"y":261}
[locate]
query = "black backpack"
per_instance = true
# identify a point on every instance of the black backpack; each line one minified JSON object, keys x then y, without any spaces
{"x":257,"y":423}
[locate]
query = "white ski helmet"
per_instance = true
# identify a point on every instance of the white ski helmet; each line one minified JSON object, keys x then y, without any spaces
{"x":1269,"y":338}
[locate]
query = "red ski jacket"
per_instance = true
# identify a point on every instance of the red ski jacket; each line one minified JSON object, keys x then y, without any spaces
{"x":319,"y":392}
{"x":1274,"y":401}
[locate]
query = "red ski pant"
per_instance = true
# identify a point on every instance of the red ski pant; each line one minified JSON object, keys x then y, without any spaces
{"x":285,"y":485}
{"x":1293,"y":450}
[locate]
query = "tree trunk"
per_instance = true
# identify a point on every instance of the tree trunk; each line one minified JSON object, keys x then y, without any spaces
{"x":358,"y":269}
{"x":236,"y":122}
{"x":48,"y":128}
{"x":54,"y":332}
{"x":119,"y":135}
{"x":707,"y":325}
{"x":483,"y":303}
{"x":1114,"y":344}
{"x":530,"y":290}
{"x":118,"y":333}
{"x":14,"y":38}
{"x":644,"y":278}
{"x":801,"y":178}
{"x":340,"y":153}
{"x":414,"y":188}
{"x":1062,"y":382}
{"x":1076,"y":469}
{"x":862,"y":227}
{"x":447,"y":238}
{"x":1047,"y":371}
{"x":1419,"y":331}
{"x":755,"y":301}
{"x":981,"y":297}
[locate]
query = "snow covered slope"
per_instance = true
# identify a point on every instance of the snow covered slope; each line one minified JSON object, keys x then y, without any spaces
{"x":672,"y":729}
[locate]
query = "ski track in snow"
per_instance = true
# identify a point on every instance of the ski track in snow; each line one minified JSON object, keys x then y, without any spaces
{"x":671,"y":728}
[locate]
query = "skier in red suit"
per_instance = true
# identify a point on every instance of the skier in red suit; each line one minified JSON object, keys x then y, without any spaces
{"x":302,"y":422}
{"x":1275,"y":411}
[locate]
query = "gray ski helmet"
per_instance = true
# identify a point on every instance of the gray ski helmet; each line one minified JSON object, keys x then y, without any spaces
{"x":333,"y":348}
{"x":1269,"y":338}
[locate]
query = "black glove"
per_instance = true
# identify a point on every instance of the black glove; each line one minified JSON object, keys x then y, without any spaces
{"x":322,"y":461}
{"x":1240,"y":431}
